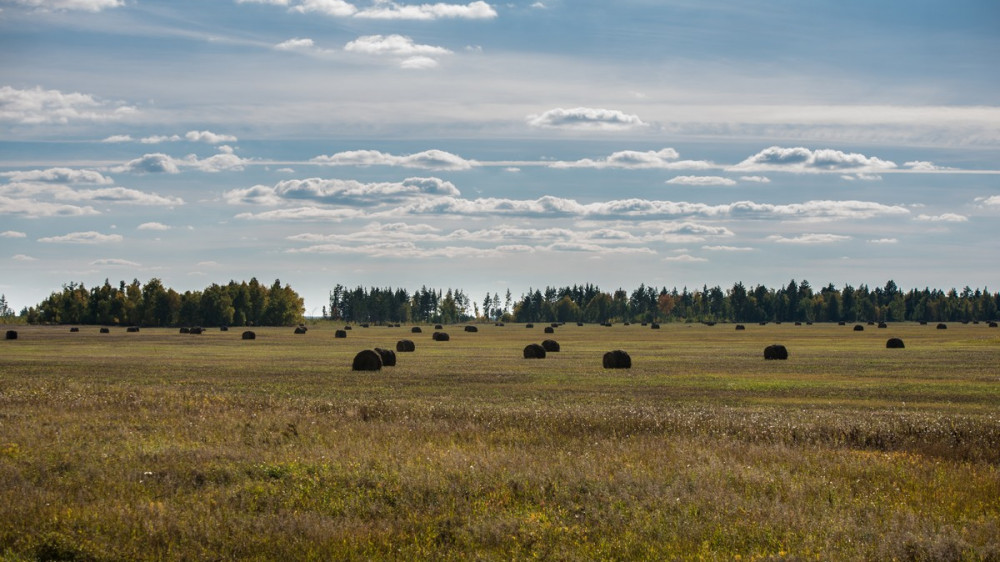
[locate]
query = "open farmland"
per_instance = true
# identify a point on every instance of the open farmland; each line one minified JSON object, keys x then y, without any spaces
{"x":161,"y":445}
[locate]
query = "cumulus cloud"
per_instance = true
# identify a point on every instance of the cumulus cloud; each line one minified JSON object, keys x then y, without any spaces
{"x":118,"y":139}
{"x":337,"y":8}
{"x":120,"y":195}
{"x":801,"y":159}
{"x":665,"y":159}
{"x":30,"y":208}
{"x":809,"y":239}
{"x":409,"y":54}
{"x":342,"y":192}
{"x":159,"y":163}
{"x":156,"y":163}
{"x":701,"y":180}
{"x":12,"y":234}
{"x":946,"y":217}
{"x":392,"y":10}
{"x":755,"y":179}
{"x":157,"y":139}
{"x":90,"y":237}
{"x":37,"y":106}
{"x":884,"y":241}
{"x":296,"y":44}
{"x":208,"y":137}
{"x":59,"y":175}
{"x":66,"y":5}
{"x":23,"y":257}
{"x":427,"y":160}
{"x":153,"y":226}
{"x":586,"y":118}
{"x":992,"y":201}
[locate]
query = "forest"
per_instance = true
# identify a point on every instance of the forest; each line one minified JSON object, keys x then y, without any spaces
{"x":794,"y":302}
{"x":153,"y":305}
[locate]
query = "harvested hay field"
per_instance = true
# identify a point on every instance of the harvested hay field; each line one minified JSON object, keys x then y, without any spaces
{"x":158,"y":446}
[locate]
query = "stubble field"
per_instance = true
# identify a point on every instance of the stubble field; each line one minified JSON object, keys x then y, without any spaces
{"x":161,"y":445}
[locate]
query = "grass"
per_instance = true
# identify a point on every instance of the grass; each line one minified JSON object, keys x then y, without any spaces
{"x":159,"y":445}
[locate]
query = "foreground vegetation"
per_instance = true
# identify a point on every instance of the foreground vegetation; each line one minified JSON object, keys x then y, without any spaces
{"x":160,"y":445}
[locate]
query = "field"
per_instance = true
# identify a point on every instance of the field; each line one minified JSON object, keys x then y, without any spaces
{"x":160,"y":445}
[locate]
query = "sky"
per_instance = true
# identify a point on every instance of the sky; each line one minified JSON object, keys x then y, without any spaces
{"x":498,"y":146}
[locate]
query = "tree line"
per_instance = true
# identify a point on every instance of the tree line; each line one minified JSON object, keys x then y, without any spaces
{"x":794,"y":302}
{"x":152,"y":304}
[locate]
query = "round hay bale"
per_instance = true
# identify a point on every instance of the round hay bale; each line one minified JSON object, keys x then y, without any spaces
{"x":388,"y":356}
{"x":132,"y":329}
{"x":841,"y":323}
{"x":579,"y":323}
{"x":367,"y":360}
{"x":552,"y":346}
{"x":74,"y":329}
{"x":248,"y":335}
{"x":894,"y":343}
{"x":416,"y":330}
{"x":347,"y":327}
{"x":105,"y":330}
{"x":883,"y":325}
{"x":223,"y":328}
{"x":438,"y":327}
{"x":993,"y":324}
{"x":776,"y":351}
{"x":654,"y":326}
{"x":741,"y":327}
{"x":197,"y":330}
{"x":762,"y":323}
{"x":534,"y":351}
{"x":405,"y":346}
{"x":923,"y":322}
{"x":471,"y":329}
{"x":942,"y":326}
{"x":441,"y":336}
{"x":859,"y":328}
{"x":11,"y":335}
{"x":340,"y":334}
{"x":550,"y":330}
{"x":364,"y":325}
{"x":554,"y":324}
{"x":617,"y":359}
{"x":185,"y":330}
{"x":529,"y":325}
{"x":798,"y":323}
{"x":300,"y":330}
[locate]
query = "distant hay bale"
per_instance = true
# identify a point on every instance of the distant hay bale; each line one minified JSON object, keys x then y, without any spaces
{"x":798,"y":323}
{"x":841,"y":323}
{"x":223,"y":328}
{"x":248,"y":335}
{"x":859,"y":328}
{"x":347,"y":327}
{"x":405,"y":346}
{"x":11,"y":335}
{"x":499,"y":324}
{"x":883,"y":325}
{"x":340,"y":334}
{"x":529,"y":325}
{"x":550,"y":330}
{"x":554,"y":324}
{"x":776,"y":351}
{"x":552,"y":346}
{"x":710,"y":323}
{"x":993,"y":324}
{"x":300,"y":330}
{"x":579,"y":323}
{"x":438,"y":327}
{"x":534,"y":351}
{"x":894,"y":343}
{"x":105,"y":330}
{"x":74,"y":329}
{"x":185,"y":330}
{"x":441,"y":336}
{"x":942,"y":326}
{"x":197,"y":330}
{"x":654,"y":326}
{"x":132,"y":329}
{"x":762,"y":323}
{"x":416,"y":330}
{"x":741,"y":327}
{"x":617,"y":359}
{"x":471,"y":329}
{"x":923,"y":322}
{"x":367,"y":360}
{"x":388,"y":356}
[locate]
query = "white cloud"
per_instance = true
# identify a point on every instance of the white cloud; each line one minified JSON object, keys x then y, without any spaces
{"x":157,"y":163}
{"x":89,"y":237}
{"x":119,"y":195}
{"x":297,"y":44}
{"x":809,"y":239}
{"x":38,"y":106}
{"x":884,"y":241}
{"x":992,"y":201}
{"x":337,"y":8}
{"x":685,"y":258}
{"x":342,"y":192}
{"x":665,"y":159}
{"x":755,"y":179}
{"x":701,"y":180}
{"x":728,"y":248}
{"x":586,"y":118}
{"x":411,"y":55}
{"x":391,"y":10}
{"x":12,"y":234}
{"x":39,"y":209}
{"x":418,"y":63}
{"x":157,"y":139}
{"x":801,"y":159}
{"x":208,"y":137}
{"x":922,"y":166}
{"x":23,"y":257}
{"x":62,"y":5}
{"x":59,"y":175}
{"x":112,"y":262}
{"x":946,"y":217}
{"x":153,"y":226}
{"x":427,"y":160}
{"x":118,"y":139}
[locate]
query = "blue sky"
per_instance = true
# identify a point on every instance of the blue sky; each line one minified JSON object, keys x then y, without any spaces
{"x":494,"y":146}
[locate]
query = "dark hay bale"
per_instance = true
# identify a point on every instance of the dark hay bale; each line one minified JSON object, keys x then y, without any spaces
{"x":710,"y":323}
{"x":105,"y":330}
{"x":776,"y":351}
{"x":438,"y":327}
{"x":185,"y":330}
{"x":471,"y":329}
{"x":197,"y":330}
{"x":942,"y":326}
{"x":550,"y":330}
{"x":883,"y":325}
{"x":405,"y":346}
{"x":655,"y":326}
{"x":340,"y":334}
{"x":741,"y":327}
{"x":552,"y":346}
{"x":894,"y":343}
{"x":364,"y":325}
{"x":529,"y":325}
{"x":859,"y":328}
{"x":628,"y":323}
{"x":534,"y":351}
{"x":441,"y":336}
{"x":132,"y":329}
{"x":871,"y":323}
{"x":388,"y":356}
{"x":554,"y":324}
{"x":223,"y":328}
{"x":74,"y":329}
{"x":923,"y":322}
{"x":993,"y":324}
{"x":395,"y":325}
{"x":248,"y":335}
{"x":416,"y":330}
{"x":841,"y":323}
{"x":617,"y":359}
{"x":367,"y":360}
{"x":798,"y":323}
{"x":499,"y":324}
{"x":579,"y":323}
{"x":11,"y":335}
{"x":347,"y":327}
{"x":300,"y":330}
{"x":762,"y":323}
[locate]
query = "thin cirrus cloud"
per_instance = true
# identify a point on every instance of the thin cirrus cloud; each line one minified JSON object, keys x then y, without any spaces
{"x":115,"y":262}
{"x":586,"y":119}
{"x":37,"y":106}
{"x":945,"y":217}
{"x":809,"y":239}
{"x":67,"y":5}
